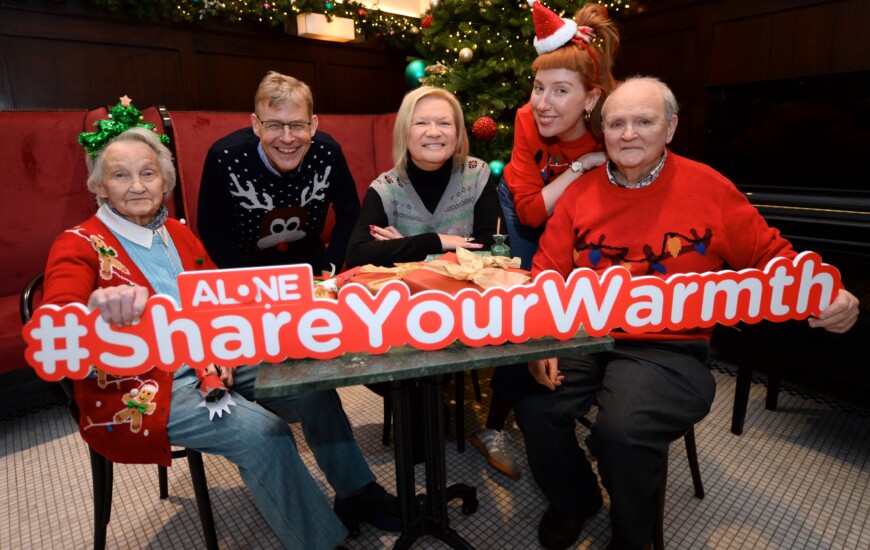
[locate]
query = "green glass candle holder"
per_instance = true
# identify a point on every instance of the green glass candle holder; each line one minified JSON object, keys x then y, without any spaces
{"x":500,"y":248}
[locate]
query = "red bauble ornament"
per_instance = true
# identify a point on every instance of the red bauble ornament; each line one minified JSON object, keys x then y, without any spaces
{"x":427,"y":22}
{"x":483,"y":128}
{"x":361,"y":12}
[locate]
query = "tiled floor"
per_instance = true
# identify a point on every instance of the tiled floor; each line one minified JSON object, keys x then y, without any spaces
{"x":797,"y":478}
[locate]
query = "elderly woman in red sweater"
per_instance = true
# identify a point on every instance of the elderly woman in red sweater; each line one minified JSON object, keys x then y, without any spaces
{"x":129,"y":250}
{"x":652,"y":387}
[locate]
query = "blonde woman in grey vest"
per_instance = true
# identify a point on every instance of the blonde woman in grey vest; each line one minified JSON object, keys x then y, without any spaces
{"x":436,"y":198}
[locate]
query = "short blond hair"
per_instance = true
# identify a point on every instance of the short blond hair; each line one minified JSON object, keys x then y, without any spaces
{"x":402,"y":128}
{"x":277,"y":90}
{"x":142,"y":135}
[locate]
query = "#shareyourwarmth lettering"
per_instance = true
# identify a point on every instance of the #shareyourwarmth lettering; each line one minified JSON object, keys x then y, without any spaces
{"x":270,"y":317}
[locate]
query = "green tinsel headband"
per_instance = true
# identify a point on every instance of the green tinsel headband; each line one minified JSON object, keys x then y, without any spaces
{"x":122,"y":117}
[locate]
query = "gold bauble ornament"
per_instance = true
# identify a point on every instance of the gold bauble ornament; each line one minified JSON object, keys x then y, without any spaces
{"x":414,"y":29}
{"x":465,"y":55}
{"x":434,"y":4}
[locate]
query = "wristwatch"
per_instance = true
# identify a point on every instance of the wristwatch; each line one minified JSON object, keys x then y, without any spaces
{"x":577,"y":167}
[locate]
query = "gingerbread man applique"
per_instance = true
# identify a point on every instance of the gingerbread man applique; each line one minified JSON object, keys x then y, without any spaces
{"x":139,"y":402}
{"x":108,"y":258}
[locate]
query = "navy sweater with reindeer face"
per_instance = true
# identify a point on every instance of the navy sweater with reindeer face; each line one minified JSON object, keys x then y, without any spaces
{"x":248,"y":215}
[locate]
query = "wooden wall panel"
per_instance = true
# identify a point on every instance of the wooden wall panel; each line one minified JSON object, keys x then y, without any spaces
{"x":850,"y":39}
{"x":785,"y":44}
{"x":643,"y":56}
{"x":72,"y":56}
{"x":353,"y":96}
{"x":696,"y":45}
{"x":228,"y":82}
{"x":88,"y":74}
{"x":6,"y":98}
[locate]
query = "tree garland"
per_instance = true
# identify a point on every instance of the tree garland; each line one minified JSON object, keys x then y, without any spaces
{"x":398,"y":31}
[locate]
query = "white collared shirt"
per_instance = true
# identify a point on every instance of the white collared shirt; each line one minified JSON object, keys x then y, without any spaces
{"x":129,"y":230}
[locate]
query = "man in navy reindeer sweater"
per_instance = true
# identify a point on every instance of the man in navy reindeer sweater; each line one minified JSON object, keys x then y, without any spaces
{"x":266,"y":189}
{"x":263,"y":201}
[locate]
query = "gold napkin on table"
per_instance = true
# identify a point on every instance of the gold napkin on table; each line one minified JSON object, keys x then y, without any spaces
{"x":395,"y":273}
{"x":484,"y":271}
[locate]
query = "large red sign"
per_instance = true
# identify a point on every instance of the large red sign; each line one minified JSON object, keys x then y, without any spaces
{"x":245,"y":316}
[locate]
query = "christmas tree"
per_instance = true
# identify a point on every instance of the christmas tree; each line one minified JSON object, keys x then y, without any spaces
{"x":481,"y":50}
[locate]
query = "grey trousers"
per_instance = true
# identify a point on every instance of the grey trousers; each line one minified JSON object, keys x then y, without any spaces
{"x":648,"y":394}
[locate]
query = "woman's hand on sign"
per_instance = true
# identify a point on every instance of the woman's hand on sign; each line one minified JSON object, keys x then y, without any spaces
{"x":120,"y":305}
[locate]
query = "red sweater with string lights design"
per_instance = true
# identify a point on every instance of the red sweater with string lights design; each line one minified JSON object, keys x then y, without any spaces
{"x":691,"y":219}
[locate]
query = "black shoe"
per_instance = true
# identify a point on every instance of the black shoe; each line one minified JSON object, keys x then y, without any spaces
{"x":557,"y":534}
{"x":372,"y":504}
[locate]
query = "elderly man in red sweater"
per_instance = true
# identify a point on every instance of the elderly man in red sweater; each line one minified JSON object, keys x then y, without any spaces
{"x":652,"y":387}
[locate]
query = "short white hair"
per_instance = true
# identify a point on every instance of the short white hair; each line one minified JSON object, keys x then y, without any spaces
{"x":142,"y":135}
{"x":670,"y":101}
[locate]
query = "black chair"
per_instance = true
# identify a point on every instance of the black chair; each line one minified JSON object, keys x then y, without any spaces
{"x":795,"y":350}
{"x":102,"y":468}
{"x":459,"y":382}
{"x":739,"y":345}
{"x":661,"y":493}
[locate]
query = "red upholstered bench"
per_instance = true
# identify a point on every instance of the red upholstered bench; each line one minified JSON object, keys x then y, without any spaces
{"x":45,"y":192}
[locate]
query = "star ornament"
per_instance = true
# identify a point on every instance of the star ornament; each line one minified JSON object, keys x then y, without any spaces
{"x":217,"y":402}
{"x":125,"y":101}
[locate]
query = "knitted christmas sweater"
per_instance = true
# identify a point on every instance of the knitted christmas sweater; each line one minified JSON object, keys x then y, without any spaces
{"x":691,"y":219}
{"x":123,"y":427}
{"x":536,"y":161}
{"x":248,"y":215}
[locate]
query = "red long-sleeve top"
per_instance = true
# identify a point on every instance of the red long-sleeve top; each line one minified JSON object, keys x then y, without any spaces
{"x":536,"y":161}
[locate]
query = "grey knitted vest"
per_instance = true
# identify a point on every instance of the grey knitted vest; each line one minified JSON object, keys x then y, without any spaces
{"x":454,"y":214}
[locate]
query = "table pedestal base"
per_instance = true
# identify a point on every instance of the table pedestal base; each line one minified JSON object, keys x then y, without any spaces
{"x":426,"y":514}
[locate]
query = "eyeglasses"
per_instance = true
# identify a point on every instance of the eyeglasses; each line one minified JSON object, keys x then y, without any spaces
{"x":276,"y":127}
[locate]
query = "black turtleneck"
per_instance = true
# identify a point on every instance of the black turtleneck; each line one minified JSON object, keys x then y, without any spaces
{"x":429,"y":185}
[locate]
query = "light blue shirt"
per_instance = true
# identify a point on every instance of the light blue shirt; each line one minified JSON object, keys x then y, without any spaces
{"x":152,"y":251}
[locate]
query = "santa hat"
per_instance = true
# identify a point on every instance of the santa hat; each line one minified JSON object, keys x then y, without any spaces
{"x":552,"y":32}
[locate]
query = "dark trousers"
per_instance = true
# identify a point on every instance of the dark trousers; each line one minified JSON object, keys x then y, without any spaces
{"x":648,"y":394}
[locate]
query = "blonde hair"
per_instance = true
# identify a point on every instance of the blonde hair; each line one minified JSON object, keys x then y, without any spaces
{"x":402,"y":128}
{"x":142,"y":135}
{"x":595,"y":72}
{"x":277,"y":90}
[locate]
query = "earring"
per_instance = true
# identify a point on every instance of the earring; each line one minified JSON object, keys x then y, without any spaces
{"x":587,"y":116}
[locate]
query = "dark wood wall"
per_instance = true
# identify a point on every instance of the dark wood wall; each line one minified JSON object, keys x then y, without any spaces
{"x":693,"y":45}
{"x":68,"y":55}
